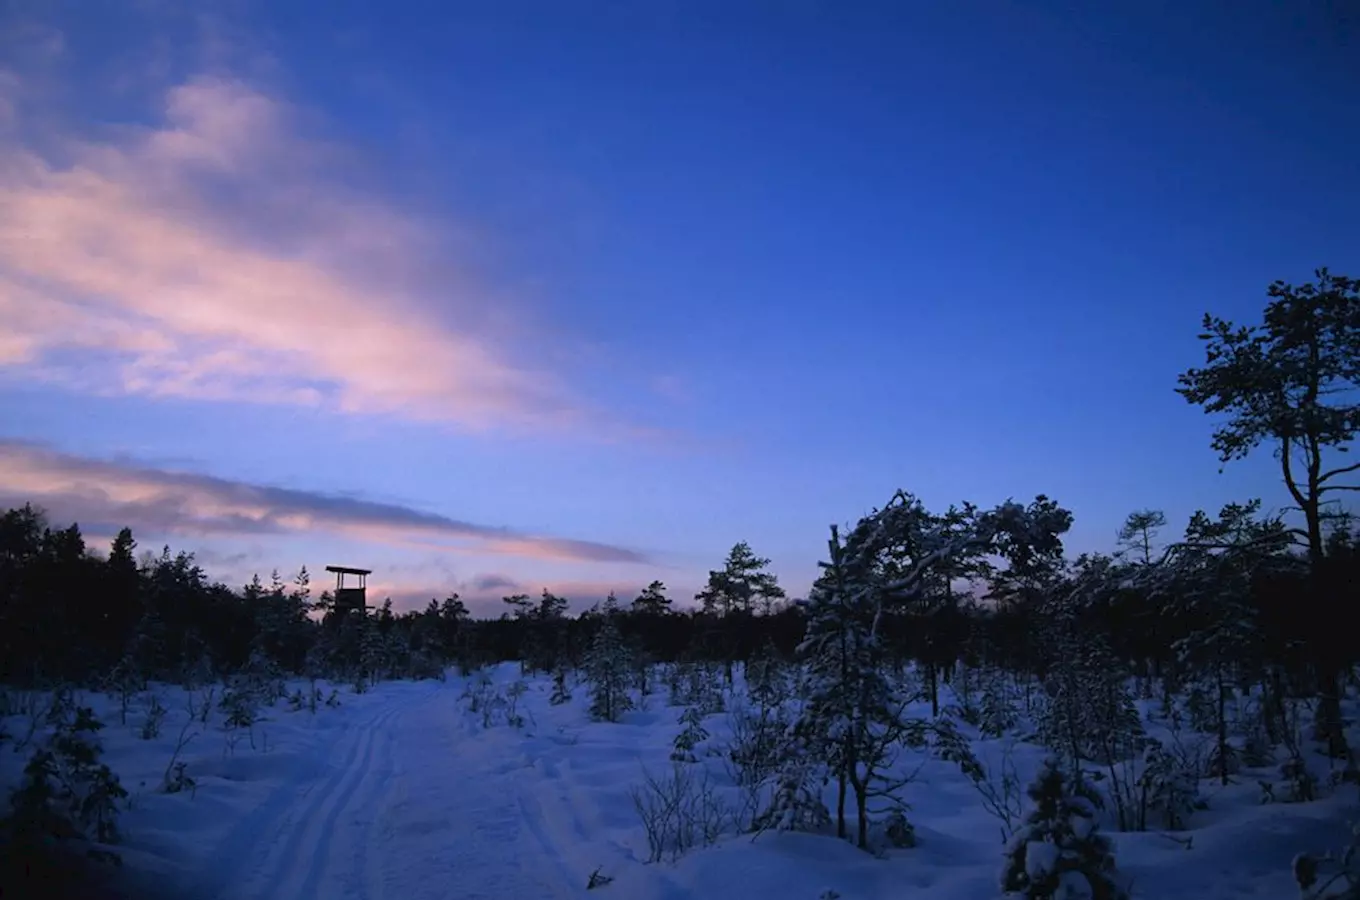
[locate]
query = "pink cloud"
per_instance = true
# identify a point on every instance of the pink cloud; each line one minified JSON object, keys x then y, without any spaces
{"x":104,"y":496}
{"x":209,"y":257}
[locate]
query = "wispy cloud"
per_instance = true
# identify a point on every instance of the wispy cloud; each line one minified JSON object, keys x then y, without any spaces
{"x":221,"y":254}
{"x":104,"y":495}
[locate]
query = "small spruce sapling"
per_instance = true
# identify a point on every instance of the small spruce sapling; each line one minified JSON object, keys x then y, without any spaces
{"x":693,"y":734}
{"x":1059,"y":852}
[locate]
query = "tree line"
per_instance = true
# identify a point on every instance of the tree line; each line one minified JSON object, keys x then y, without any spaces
{"x":1249,"y":595}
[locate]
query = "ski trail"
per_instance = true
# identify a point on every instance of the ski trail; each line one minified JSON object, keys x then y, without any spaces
{"x":277,"y":844}
{"x":299,"y":842}
{"x":314,"y":857}
{"x":459,"y":824}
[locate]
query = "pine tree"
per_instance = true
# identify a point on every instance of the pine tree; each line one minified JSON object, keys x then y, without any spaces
{"x":653,"y":600}
{"x":853,"y":717}
{"x":1208,"y":582}
{"x":1059,"y":854}
{"x":1291,"y":382}
{"x":608,"y":669}
{"x":740,"y":584}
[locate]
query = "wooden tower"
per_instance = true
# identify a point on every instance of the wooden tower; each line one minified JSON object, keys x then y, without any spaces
{"x":352,"y":598}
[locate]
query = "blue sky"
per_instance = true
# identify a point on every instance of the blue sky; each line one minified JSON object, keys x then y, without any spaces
{"x":636,"y":281}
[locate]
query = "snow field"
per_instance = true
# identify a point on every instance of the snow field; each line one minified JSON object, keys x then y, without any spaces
{"x":400,"y":793}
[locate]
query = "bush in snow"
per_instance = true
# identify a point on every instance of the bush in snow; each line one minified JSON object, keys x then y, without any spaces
{"x":1332,"y":876}
{"x":679,"y":812}
{"x":1058,"y":854}
{"x":897,"y":831}
{"x":513,"y":693}
{"x":767,"y":682}
{"x":478,"y":692}
{"x":1170,"y":791}
{"x":692,"y":735}
{"x":241,"y":714}
{"x":695,"y":684}
{"x":796,"y":804}
{"x":1300,"y":784}
{"x":997,"y":714}
{"x":1089,"y":712}
{"x":560,"y":693}
{"x":155,"y":715}
{"x":66,"y":794}
{"x":1000,"y":788}
{"x":757,"y":744}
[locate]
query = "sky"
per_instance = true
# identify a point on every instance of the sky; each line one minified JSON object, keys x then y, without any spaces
{"x":492,"y":297}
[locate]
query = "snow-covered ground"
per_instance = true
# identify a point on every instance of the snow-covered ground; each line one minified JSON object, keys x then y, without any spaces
{"x":401,"y":793}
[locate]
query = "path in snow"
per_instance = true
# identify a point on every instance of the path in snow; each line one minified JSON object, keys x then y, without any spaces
{"x":411,"y":802}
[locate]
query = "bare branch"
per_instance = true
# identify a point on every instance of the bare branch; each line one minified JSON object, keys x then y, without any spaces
{"x":1353,"y":467}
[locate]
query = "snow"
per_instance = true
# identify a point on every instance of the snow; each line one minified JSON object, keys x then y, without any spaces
{"x":399,"y":793}
{"x":1041,"y":858}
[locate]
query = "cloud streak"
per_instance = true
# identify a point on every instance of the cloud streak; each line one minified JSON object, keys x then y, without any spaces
{"x":220,"y":255}
{"x":104,"y":495}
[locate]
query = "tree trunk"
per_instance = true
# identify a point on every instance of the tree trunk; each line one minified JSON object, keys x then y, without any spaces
{"x":862,"y":805}
{"x":1222,"y":724}
{"x":840,"y":805}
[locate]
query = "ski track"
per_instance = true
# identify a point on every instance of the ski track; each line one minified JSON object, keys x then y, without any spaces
{"x":286,"y":847}
{"x":278,"y":846}
{"x":463,"y":821}
{"x":410,"y":802}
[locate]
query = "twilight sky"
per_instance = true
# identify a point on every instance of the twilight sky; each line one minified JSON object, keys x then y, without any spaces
{"x":497,"y":296}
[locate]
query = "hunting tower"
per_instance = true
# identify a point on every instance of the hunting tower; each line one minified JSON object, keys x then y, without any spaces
{"x":353,"y":597}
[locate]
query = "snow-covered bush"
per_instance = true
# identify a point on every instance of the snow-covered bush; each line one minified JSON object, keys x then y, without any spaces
{"x":796,"y":803}
{"x":155,"y":715}
{"x":756,"y":746}
{"x":238,"y":704}
{"x":679,"y":812}
{"x":513,"y":715}
{"x":1059,"y":854}
{"x":1089,"y":712}
{"x":66,"y":793}
{"x":560,"y":692}
{"x":693,"y":734}
{"x":1000,"y":788}
{"x":997,"y":713}
{"x":1169,"y":790}
{"x":1332,"y":876}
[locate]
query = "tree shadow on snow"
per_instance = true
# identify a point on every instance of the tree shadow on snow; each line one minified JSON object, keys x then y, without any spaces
{"x":67,"y":874}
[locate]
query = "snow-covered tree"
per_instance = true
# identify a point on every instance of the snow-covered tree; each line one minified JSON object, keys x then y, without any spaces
{"x":609,"y":670}
{"x":853,"y":717}
{"x":1059,"y":853}
{"x":1207,"y":581}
